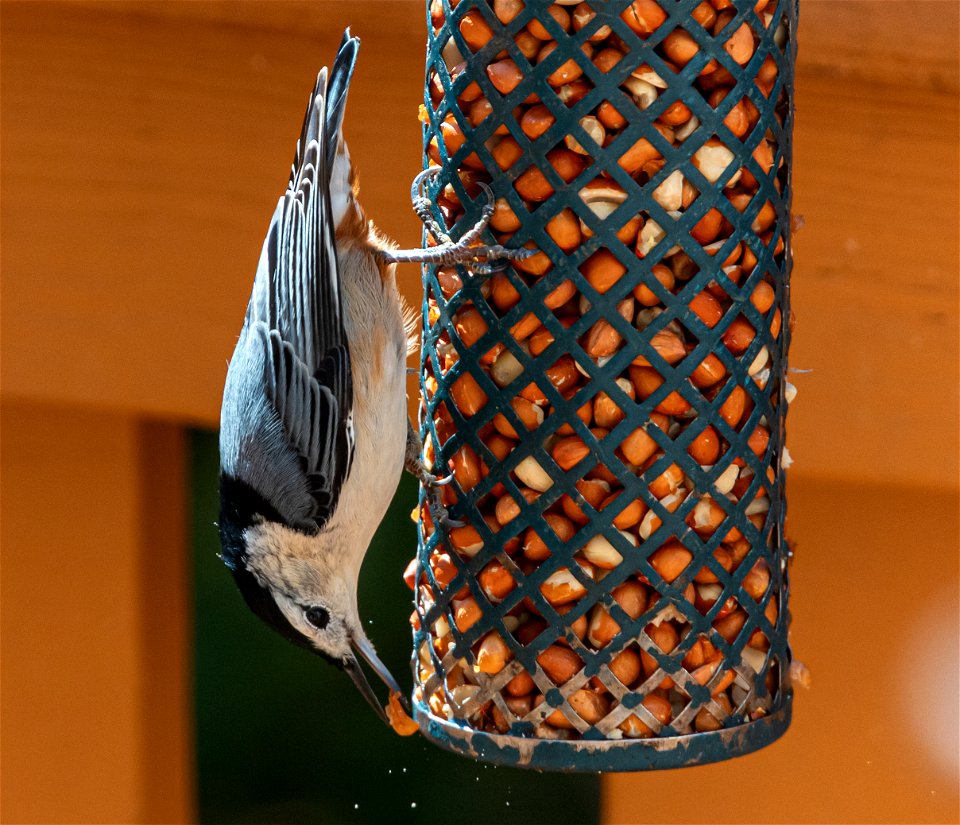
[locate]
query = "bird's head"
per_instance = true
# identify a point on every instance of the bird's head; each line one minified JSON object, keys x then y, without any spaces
{"x":310,"y":597}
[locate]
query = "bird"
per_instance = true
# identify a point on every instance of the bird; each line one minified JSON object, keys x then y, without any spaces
{"x":314,"y":433}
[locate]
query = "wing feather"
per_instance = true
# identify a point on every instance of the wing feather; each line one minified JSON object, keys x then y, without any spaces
{"x":295,"y":315}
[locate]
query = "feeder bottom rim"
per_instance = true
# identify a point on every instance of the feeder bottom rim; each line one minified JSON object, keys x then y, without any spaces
{"x":609,"y":755}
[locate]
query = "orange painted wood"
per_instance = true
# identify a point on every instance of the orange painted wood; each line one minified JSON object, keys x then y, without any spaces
{"x":95,"y":682}
{"x":132,"y":229}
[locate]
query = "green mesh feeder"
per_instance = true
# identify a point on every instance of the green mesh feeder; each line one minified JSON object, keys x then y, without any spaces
{"x":610,"y":590}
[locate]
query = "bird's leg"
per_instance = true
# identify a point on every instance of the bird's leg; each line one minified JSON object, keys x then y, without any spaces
{"x":476,"y":258}
{"x":413,"y":464}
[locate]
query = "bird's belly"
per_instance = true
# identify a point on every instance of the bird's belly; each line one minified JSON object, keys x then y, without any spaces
{"x":380,"y":426}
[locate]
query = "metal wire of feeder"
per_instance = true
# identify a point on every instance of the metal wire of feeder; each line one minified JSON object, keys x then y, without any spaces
{"x":616,"y":598}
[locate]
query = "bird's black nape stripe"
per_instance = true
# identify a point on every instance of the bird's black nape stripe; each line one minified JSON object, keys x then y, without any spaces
{"x":240,"y":507}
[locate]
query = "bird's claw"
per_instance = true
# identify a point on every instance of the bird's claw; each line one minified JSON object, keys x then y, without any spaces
{"x":478,"y":260}
{"x":430,"y":480}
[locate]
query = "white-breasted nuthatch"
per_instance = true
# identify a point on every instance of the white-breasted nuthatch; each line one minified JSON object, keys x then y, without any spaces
{"x":313,"y":431}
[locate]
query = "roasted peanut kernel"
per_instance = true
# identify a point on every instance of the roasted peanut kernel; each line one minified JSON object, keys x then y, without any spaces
{"x":644,"y":17}
{"x":493,"y":654}
{"x":507,"y":509}
{"x":661,"y":709}
{"x":564,"y":229}
{"x":647,"y":296}
{"x":647,"y":381}
{"x":602,"y":269}
{"x":504,"y":294}
{"x":665,"y":637}
{"x":559,"y":14}
{"x":520,"y":685}
{"x":763,"y":297}
{"x":536,"y":120}
{"x":468,"y":395}
{"x":706,"y":720}
{"x":757,"y":580}
{"x":594,"y":491}
{"x":475,"y":30}
{"x":667,"y":482}
{"x":466,"y":613}
{"x":534,"y":547}
{"x":638,"y":155}
{"x":582,"y":15}
{"x":739,"y":335}
{"x":466,"y":468}
{"x":708,"y":372}
{"x":567,"y":71}
{"x":506,"y":10}
{"x":712,"y":159}
{"x":466,"y":540}
{"x":496,"y":581}
{"x":559,"y":663}
{"x":734,"y":406}
{"x":680,"y":47}
{"x":504,"y":219}
{"x":562,"y":587}
{"x":706,"y":308}
{"x":705,"y":448}
{"x":670,"y":560}
{"x":626,"y":666}
{"x":629,"y":514}
{"x":740,"y":44}
{"x":530,"y":415}
{"x":606,"y":413}
{"x":505,"y":75}
{"x":600,"y":552}
{"x":602,"y":628}
{"x":568,"y":452}
{"x":589,"y":706}
{"x":507,"y":152}
{"x":610,"y":117}
{"x":531,"y":473}
{"x":606,"y":59}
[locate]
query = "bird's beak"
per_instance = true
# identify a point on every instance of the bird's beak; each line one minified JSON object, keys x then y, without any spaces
{"x":353,"y":667}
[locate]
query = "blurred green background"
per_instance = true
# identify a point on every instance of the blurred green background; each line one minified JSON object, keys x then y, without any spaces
{"x":282,"y":737}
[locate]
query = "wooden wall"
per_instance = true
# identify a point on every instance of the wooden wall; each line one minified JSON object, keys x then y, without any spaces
{"x":143,"y":146}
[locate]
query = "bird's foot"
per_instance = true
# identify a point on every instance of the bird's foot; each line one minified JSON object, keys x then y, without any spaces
{"x":432,"y":484}
{"x":433,"y":488}
{"x":479,"y":259}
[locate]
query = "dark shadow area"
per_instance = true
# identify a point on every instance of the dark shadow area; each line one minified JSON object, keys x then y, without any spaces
{"x":282,"y":737}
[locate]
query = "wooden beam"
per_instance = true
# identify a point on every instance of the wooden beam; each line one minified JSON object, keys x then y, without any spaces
{"x":96,"y":713}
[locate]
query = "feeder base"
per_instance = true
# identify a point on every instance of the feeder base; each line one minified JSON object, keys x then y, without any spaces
{"x":587,"y":756}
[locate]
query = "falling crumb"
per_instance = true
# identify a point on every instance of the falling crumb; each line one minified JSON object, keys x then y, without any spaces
{"x":355,"y":806}
{"x":413,"y":804}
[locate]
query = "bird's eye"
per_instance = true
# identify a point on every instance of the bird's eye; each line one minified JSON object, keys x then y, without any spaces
{"x":318,"y":617}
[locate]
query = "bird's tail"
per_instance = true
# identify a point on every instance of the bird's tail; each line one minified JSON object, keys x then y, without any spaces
{"x":323,"y":123}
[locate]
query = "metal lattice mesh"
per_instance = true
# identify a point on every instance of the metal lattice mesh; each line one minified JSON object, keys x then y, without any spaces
{"x":613,"y":407}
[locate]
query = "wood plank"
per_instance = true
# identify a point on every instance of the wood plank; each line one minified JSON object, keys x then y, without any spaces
{"x":142,"y":161}
{"x":164,"y":597}
{"x":875,"y":739}
{"x":95,"y":678}
{"x":180,"y":118}
{"x":71,"y":679}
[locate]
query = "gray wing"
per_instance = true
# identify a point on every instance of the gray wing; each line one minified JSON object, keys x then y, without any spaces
{"x":286,"y":424}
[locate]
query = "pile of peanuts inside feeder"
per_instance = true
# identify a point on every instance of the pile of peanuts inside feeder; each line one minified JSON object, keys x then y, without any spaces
{"x":625,"y":661}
